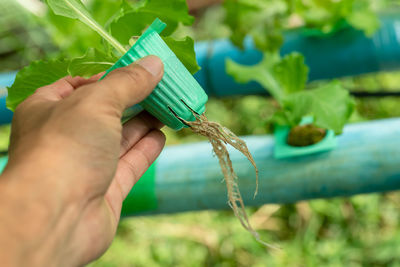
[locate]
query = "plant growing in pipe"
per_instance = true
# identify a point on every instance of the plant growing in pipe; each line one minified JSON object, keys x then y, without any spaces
{"x":306,"y":120}
{"x":329,"y":106}
{"x":265,"y":21}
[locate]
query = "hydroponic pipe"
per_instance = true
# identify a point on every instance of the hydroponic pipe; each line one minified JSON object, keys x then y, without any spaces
{"x":348,"y":52}
{"x":188,"y":177}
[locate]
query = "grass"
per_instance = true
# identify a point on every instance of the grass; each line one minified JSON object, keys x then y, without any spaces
{"x":358,"y":231}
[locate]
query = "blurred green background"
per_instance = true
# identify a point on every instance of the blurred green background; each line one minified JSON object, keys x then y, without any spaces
{"x":362,"y":230}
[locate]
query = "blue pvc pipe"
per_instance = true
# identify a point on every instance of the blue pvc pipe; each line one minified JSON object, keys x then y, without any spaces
{"x":188,"y":177}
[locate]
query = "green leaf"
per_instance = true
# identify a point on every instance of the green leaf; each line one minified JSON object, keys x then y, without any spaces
{"x":291,"y":73}
{"x":261,"y":73}
{"x":267,"y":37}
{"x":329,"y":105}
{"x":364,"y":20}
{"x":34,"y":76}
{"x":262,"y":20}
{"x":133,"y":22}
{"x":184,"y":50}
{"x":73,"y":9}
{"x":69,"y":35}
{"x":285,"y":80}
{"x":172,"y":10}
{"x":280,"y":118}
{"x":235,"y":10}
{"x":76,"y":10}
{"x":91,"y":63}
{"x":130,"y":24}
{"x":327,"y":17}
{"x":278,"y":76}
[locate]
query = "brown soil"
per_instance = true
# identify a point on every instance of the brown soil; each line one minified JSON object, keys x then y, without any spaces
{"x":305,"y":135}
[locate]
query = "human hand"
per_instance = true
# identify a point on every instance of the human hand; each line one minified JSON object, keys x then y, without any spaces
{"x":72,"y":163}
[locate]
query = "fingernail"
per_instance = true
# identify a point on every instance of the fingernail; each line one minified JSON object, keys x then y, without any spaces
{"x":152,"y":64}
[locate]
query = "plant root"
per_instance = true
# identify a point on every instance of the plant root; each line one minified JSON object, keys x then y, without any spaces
{"x":219,"y":136}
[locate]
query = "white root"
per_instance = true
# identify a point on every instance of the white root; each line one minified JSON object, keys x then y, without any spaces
{"x":219,"y":136}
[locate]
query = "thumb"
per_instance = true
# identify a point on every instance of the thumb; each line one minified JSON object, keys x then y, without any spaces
{"x":129,"y":85}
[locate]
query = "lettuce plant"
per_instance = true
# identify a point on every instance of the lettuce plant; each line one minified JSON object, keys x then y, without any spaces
{"x":129,"y":21}
{"x":285,"y":79}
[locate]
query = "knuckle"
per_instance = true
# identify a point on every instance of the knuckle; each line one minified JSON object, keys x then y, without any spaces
{"x":39,"y":91}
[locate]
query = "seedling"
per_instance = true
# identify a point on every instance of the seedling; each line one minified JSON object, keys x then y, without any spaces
{"x":329,"y":106}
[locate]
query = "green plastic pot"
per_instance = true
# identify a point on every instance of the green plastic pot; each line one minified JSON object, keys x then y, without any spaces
{"x":282,"y":150}
{"x":178,"y":94}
